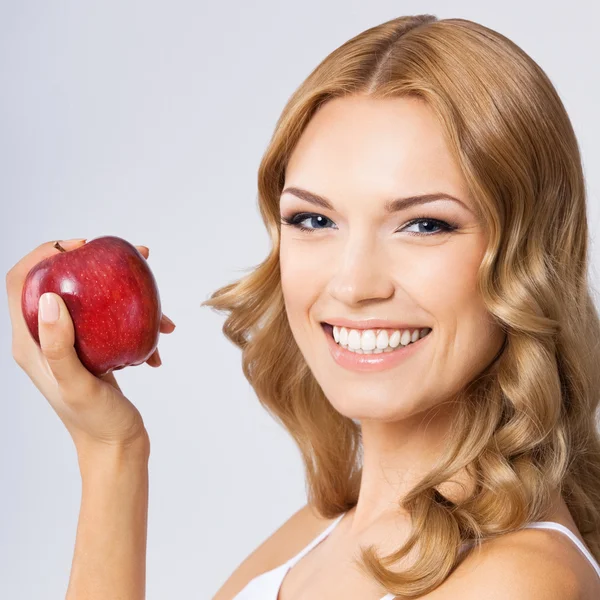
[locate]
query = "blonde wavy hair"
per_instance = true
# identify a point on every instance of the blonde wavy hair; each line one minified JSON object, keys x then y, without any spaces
{"x":527,"y":424}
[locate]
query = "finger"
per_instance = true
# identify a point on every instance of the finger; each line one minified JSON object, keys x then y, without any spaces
{"x":144,"y":251}
{"x":154,"y":360}
{"x":15,"y":279}
{"x":166,"y":325}
{"x":20,"y":269}
{"x":57,"y":339}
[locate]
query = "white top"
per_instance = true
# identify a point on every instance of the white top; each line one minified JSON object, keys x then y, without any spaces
{"x":266,"y":585}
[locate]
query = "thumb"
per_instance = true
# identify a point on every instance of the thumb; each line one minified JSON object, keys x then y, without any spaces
{"x":57,"y":341}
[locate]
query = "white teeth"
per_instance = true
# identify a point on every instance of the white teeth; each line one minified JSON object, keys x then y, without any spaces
{"x":343,"y":336}
{"x":382,"y":339}
{"x":371,"y":341}
{"x":353,"y":339}
{"x":405,"y":338}
{"x":395,"y":339}
{"x":368,"y":341}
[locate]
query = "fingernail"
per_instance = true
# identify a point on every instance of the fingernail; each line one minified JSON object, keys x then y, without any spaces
{"x":49,"y":309}
{"x":168,"y":320}
{"x":73,"y":242}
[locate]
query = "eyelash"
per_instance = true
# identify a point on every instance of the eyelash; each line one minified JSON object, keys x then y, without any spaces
{"x":295,"y":219}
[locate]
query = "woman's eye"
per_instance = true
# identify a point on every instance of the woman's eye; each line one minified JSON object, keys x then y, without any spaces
{"x":427,"y":224}
{"x":317,"y":221}
{"x":314,"y":219}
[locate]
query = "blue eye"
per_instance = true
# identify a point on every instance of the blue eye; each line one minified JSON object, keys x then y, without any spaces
{"x":442,"y":226}
{"x":296,"y":220}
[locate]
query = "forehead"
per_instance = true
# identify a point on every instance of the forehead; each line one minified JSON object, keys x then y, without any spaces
{"x":380,"y":147}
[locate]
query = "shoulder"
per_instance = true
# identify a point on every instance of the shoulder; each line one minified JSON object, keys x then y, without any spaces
{"x":532,"y":564}
{"x":280,"y":546}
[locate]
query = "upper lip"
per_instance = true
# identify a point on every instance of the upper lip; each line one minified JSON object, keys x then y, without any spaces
{"x":371,"y":324}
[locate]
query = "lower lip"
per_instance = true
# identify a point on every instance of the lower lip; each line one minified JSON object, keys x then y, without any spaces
{"x":371,"y":362}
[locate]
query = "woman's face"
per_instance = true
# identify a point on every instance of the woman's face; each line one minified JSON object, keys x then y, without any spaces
{"x":358,"y":261}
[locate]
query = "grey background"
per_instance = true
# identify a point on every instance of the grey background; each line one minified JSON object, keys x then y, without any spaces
{"x":147,"y":120}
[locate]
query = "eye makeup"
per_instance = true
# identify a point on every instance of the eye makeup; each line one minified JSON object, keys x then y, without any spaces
{"x":296,"y":220}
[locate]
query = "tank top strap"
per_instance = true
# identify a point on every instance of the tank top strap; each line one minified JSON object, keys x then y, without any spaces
{"x":314,"y":542}
{"x":548,"y":525}
{"x":560,"y":527}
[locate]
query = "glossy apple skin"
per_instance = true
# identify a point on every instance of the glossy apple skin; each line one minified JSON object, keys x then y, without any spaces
{"x":112,"y":298}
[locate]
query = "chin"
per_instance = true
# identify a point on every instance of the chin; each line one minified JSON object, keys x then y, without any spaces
{"x":375,"y":403}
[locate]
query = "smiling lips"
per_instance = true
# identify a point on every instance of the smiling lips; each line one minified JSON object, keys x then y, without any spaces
{"x":356,"y":359}
{"x":375,"y":341}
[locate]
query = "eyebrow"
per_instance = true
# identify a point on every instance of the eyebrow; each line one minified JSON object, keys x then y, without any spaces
{"x":390,"y":207}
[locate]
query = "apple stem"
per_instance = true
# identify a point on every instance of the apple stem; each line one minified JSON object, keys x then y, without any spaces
{"x":59,"y":247}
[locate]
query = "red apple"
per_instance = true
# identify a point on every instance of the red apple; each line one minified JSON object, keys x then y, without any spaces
{"x":112,"y":298}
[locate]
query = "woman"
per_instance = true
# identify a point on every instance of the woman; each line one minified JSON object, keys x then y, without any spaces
{"x":423,"y":327}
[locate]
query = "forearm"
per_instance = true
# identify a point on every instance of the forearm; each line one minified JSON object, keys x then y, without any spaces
{"x":110,"y":550}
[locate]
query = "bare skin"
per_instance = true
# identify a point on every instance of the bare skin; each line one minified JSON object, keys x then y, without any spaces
{"x":327,"y":571}
{"x":358,"y":262}
{"x":110,"y":438}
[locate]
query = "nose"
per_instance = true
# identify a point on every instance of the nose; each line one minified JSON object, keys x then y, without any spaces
{"x":360,"y":273}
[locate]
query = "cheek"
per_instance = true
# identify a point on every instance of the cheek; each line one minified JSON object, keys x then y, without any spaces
{"x":299,"y":282}
{"x":444,"y":280}
{"x":437,"y":281}
{"x":468,"y":335}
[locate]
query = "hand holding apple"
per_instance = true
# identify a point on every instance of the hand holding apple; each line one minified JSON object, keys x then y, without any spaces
{"x":92,"y":407}
{"x":112,"y":298}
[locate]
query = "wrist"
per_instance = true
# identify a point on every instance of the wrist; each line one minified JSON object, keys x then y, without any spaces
{"x":94,"y":455}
